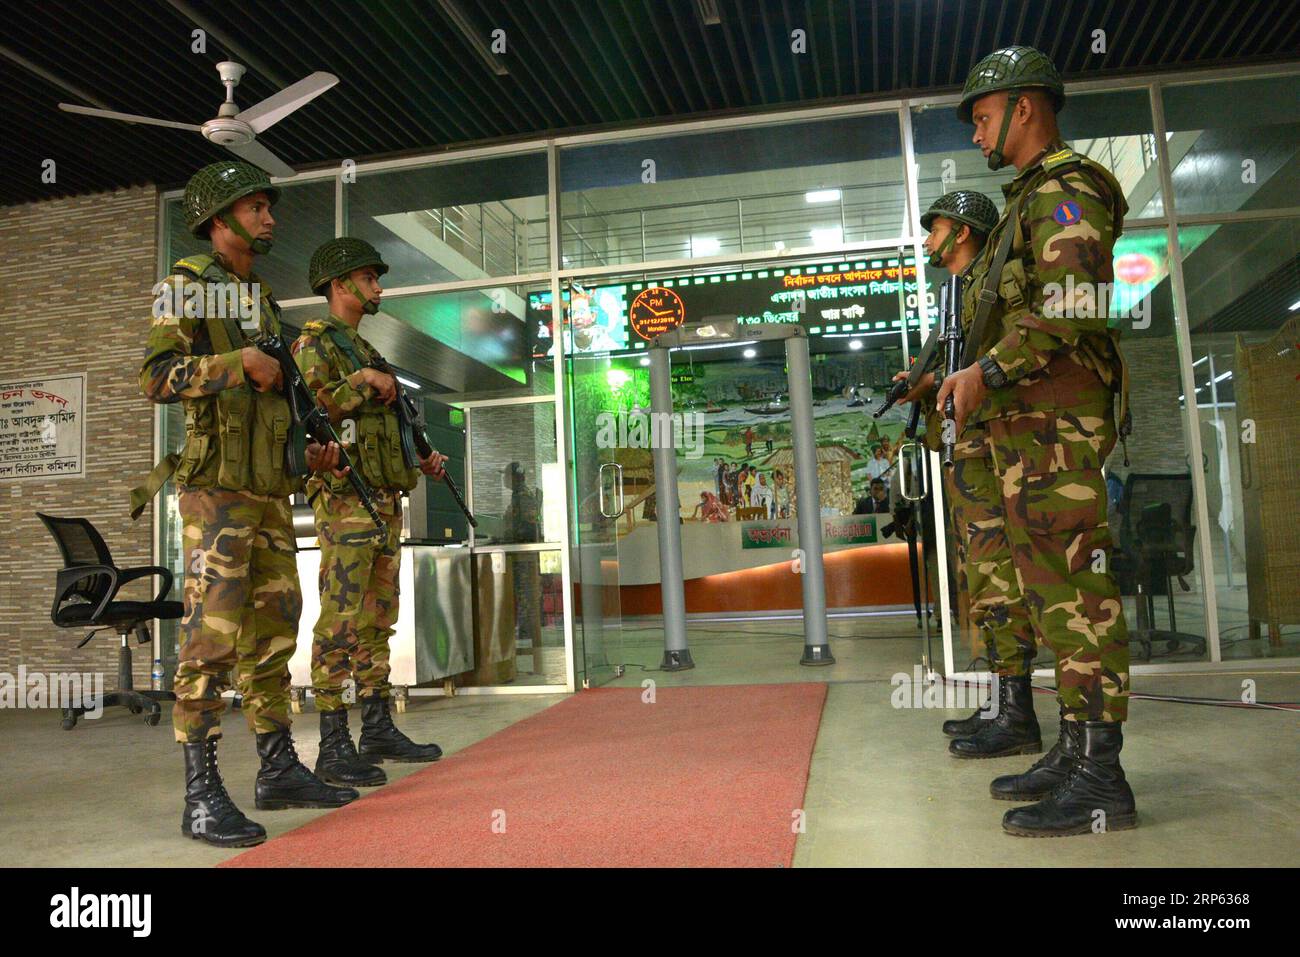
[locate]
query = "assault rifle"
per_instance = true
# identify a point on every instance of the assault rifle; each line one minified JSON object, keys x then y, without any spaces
{"x":954,"y":343}
{"x":923,"y":364}
{"x":415,"y":440}
{"x":310,"y":417}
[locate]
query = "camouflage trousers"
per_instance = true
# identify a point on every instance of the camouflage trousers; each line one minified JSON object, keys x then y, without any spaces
{"x":358,"y":595}
{"x":1048,"y":466}
{"x":242,"y":605}
{"x":985,"y":569}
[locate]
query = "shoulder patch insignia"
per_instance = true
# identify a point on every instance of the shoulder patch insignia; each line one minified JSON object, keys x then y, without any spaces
{"x":1067,"y":213}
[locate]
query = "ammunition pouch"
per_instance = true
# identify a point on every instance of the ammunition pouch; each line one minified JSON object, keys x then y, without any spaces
{"x":384,"y":450}
{"x":377,"y":454}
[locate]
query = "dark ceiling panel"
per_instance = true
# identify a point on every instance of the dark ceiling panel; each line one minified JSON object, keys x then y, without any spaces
{"x":412,"y":81}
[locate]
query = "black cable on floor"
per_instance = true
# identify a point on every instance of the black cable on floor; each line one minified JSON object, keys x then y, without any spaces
{"x":1291,"y":706}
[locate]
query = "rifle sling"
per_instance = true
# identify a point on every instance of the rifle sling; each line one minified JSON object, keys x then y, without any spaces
{"x":988,"y":292}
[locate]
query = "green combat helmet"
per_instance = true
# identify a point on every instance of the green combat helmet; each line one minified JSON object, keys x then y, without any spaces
{"x":963,"y":206}
{"x":1014,"y":69}
{"x":215,"y":188}
{"x":336,"y":258}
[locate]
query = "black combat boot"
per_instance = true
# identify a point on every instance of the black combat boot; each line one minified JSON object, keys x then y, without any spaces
{"x":380,"y":738}
{"x":1013,"y":731}
{"x":1045,"y":773}
{"x":285,"y":782}
{"x":209,"y":813}
{"x":1093,"y":797}
{"x":964,"y":727}
{"x":338,"y":762}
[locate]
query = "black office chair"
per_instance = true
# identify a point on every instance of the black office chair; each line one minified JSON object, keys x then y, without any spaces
{"x":84,"y":597}
{"x":1155,"y":549}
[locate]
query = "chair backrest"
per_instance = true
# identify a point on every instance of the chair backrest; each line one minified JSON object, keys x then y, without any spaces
{"x":1148,"y":499}
{"x":80,"y":544}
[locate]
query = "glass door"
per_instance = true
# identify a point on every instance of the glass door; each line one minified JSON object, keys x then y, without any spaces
{"x":598,"y":488}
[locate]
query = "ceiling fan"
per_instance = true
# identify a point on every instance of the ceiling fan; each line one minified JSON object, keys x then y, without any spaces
{"x":237,"y":129}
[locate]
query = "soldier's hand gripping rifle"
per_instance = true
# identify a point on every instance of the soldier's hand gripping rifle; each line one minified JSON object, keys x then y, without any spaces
{"x":924,"y":363}
{"x":415,"y":440}
{"x":315,"y":421}
{"x":953,"y":342}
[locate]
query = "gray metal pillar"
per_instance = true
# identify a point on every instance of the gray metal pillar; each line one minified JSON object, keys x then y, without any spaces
{"x":677,"y":657}
{"x":816,"y":648}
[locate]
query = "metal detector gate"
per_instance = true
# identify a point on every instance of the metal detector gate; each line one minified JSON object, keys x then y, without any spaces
{"x":816,"y":649}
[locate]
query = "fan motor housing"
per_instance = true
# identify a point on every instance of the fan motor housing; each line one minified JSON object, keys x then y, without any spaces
{"x":227,"y":131}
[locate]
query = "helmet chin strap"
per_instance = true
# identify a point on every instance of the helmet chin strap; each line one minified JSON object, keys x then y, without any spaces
{"x":368,"y":306}
{"x":936,"y":257}
{"x":259,"y":246}
{"x":997,"y":159}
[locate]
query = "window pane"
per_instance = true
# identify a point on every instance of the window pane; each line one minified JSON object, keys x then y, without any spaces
{"x":473,"y":343}
{"x":1243,"y":291}
{"x":518,"y":486}
{"x":1232,"y":144}
{"x":304,"y":218}
{"x":1151,"y":509}
{"x":707,"y":194}
{"x":454,"y":221}
{"x":1114,"y":128}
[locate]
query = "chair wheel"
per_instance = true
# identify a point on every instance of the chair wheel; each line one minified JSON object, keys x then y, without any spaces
{"x":69,"y":723}
{"x":152,"y":717}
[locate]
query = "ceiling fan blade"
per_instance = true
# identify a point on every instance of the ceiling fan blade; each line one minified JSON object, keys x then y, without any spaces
{"x":128,"y":117}
{"x":259,"y":155}
{"x":273,"y":109}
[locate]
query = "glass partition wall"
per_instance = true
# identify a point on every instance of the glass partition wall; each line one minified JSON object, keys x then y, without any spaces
{"x":483,"y":243}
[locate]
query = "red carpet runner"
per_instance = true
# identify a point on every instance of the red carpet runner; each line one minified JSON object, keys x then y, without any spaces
{"x":706,"y":776}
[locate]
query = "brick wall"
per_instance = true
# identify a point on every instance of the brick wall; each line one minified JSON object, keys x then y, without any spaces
{"x":76,"y":275}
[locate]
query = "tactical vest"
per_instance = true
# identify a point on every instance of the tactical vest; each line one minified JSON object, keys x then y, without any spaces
{"x":1098,"y":353}
{"x":377,"y":448}
{"x":237,"y":438}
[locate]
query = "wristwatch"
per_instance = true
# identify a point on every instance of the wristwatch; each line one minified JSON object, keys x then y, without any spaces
{"x":993,"y":375}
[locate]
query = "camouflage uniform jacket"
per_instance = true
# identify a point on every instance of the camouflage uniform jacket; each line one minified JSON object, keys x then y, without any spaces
{"x":182,"y":363}
{"x":324,"y":363}
{"x":1047,"y":329}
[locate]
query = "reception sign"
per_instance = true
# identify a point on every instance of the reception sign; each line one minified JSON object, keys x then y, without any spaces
{"x":766,"y":534}
{"x":850,"y":530}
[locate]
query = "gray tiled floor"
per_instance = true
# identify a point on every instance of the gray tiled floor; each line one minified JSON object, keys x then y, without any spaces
{"x":1215,"y":786}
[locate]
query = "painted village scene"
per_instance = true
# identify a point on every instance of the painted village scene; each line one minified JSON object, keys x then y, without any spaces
{"x":735,"y":459}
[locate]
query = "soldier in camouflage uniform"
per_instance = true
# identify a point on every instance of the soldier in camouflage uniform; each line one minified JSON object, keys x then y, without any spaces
{"x":241,"y":595}
{"x":358,"y":569}
{"x":1046,"y":372}
{"x":958,"y":224}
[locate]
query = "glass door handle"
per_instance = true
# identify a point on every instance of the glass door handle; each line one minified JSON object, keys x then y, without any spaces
{"x":600,"y":490}
{"x":906,"y":456}
{"x":619,"y":510}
